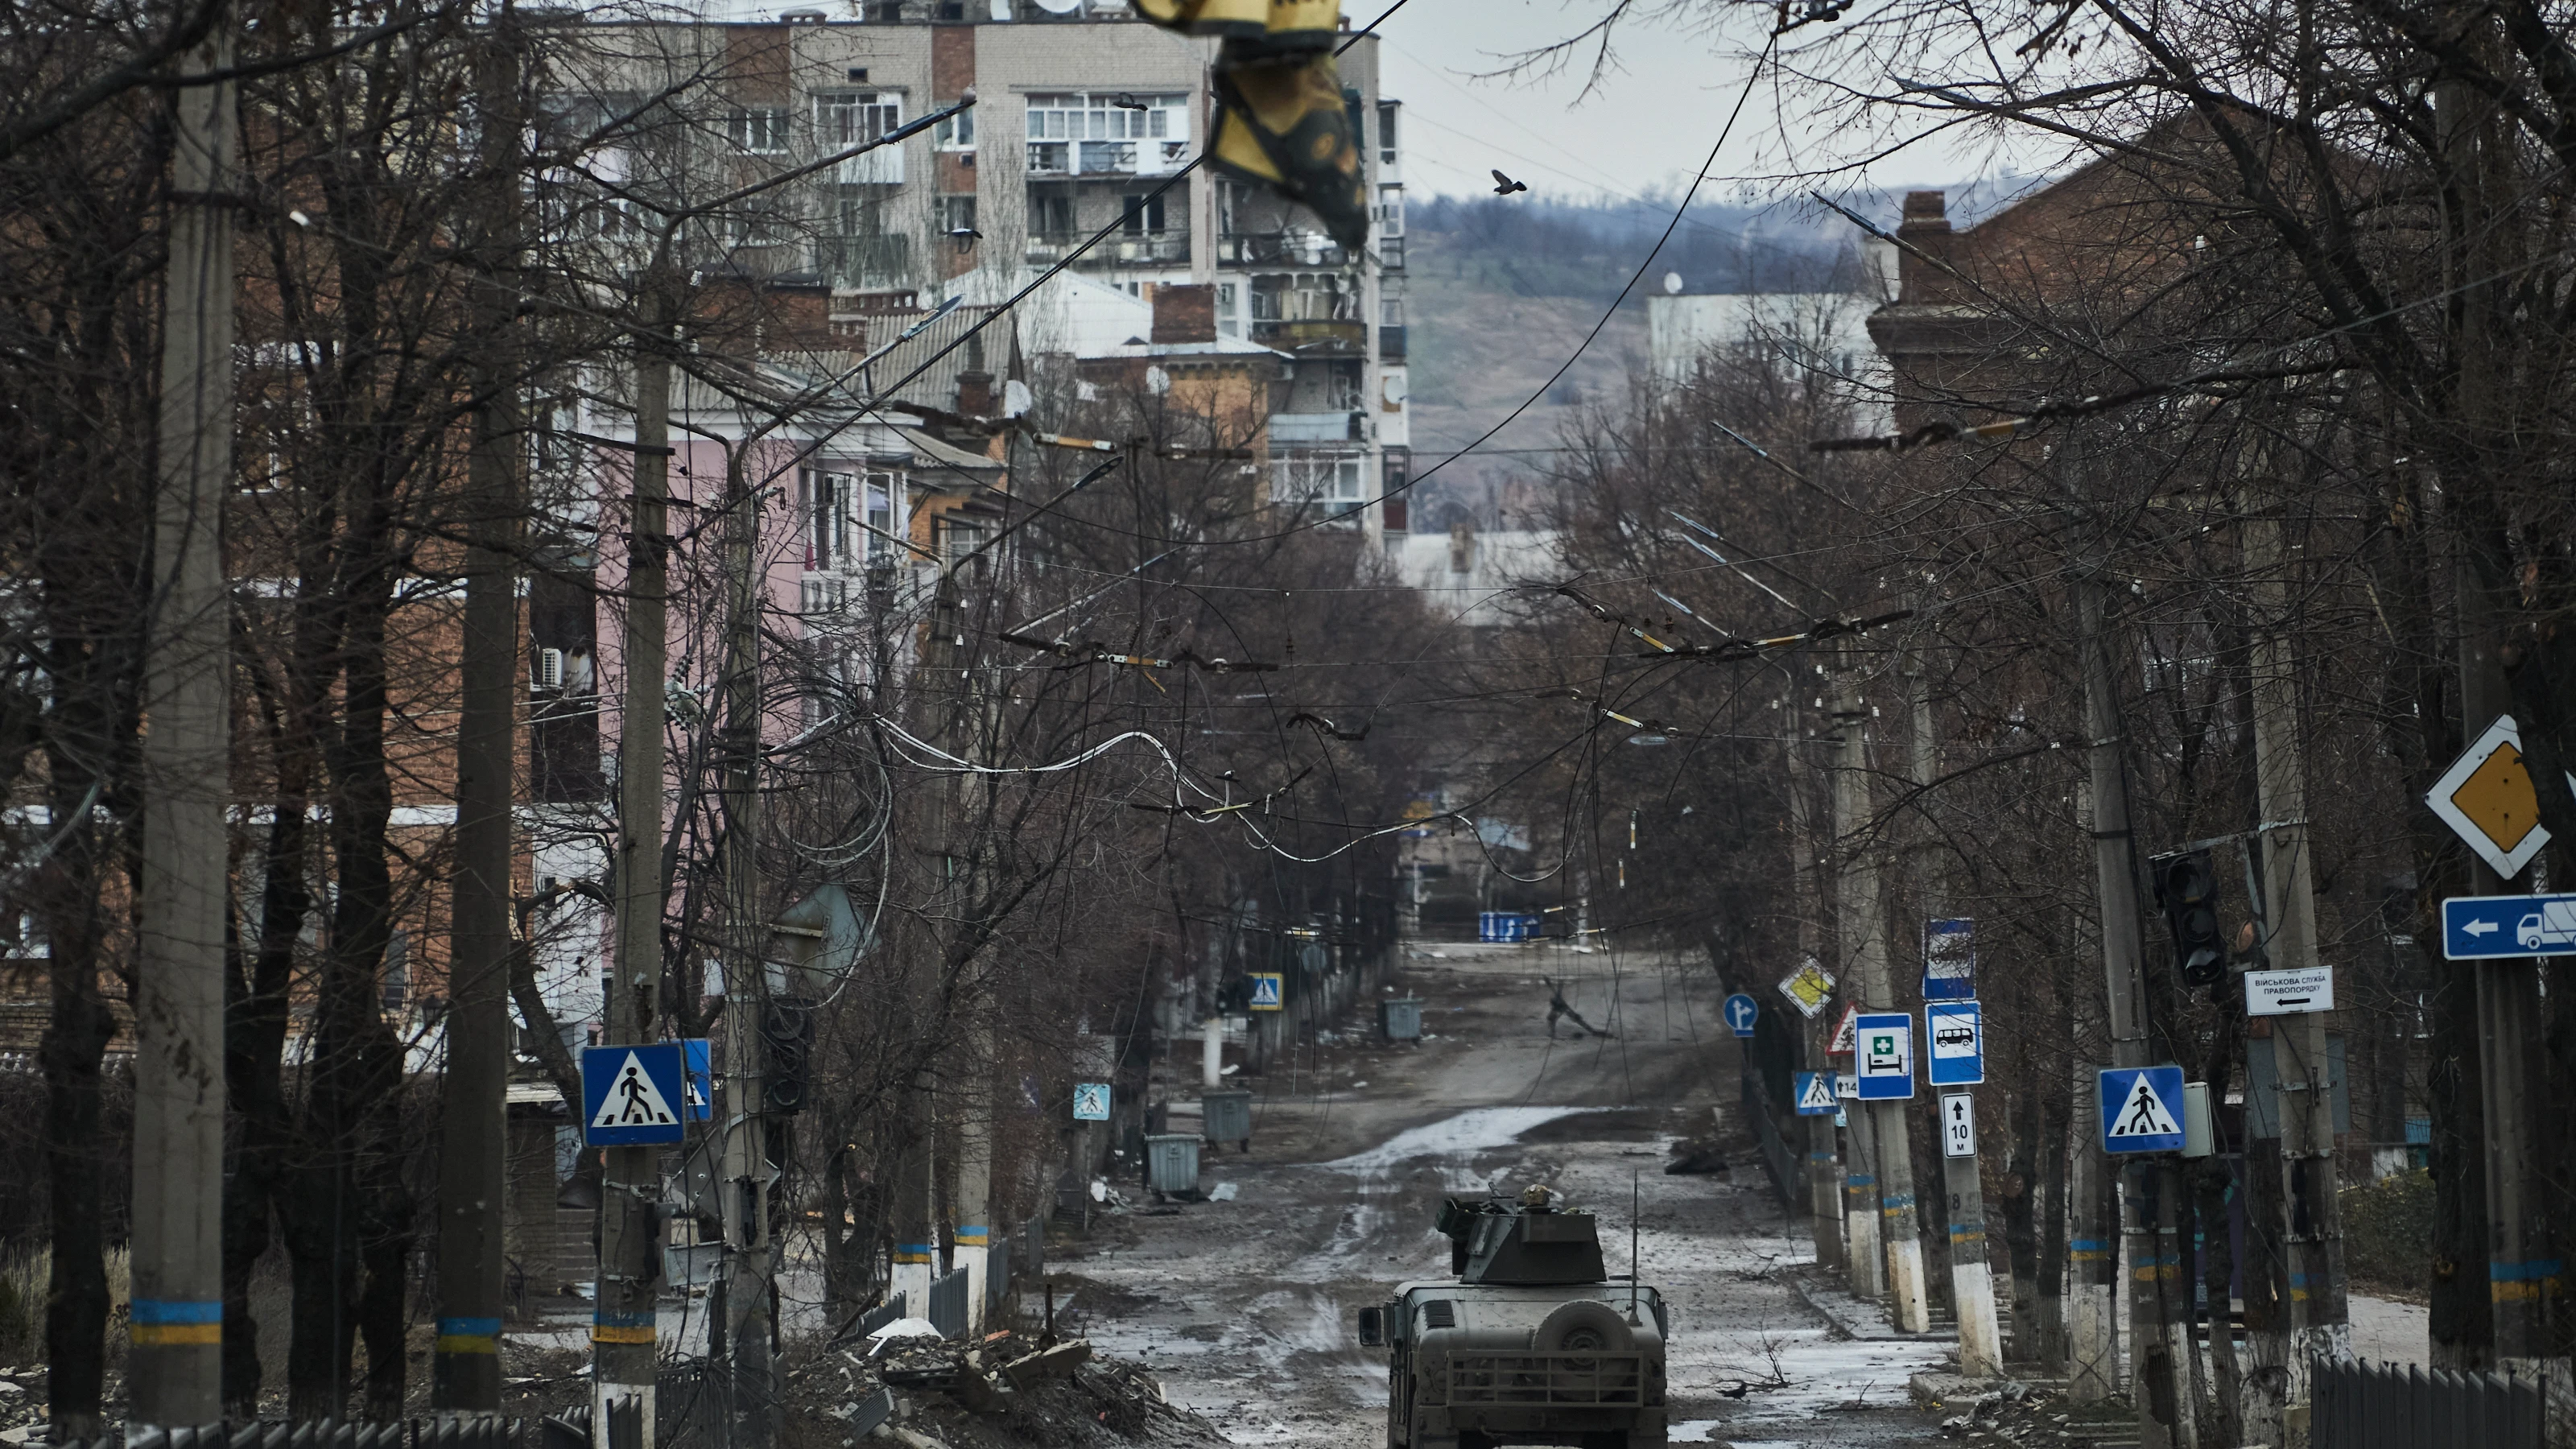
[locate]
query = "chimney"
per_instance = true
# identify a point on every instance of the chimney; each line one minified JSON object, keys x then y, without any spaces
{"x":975,"y":394}
{"x":1926,"y":234}
{"x":1184,"y":313}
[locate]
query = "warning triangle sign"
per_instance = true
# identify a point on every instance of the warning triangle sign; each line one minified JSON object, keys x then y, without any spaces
{"x":1819,"y":1092}
{"x":1845,"y":1034}
{"x":633,"y":1100}
{"x":2144,"y":1114}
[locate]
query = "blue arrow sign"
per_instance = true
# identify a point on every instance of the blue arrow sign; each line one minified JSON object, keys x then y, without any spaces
{"x":1816,"y":1095}
{"x":1956,"y":1032}
{"x":1742,"y":1012}
{"x":2142,"y":1109}
{"x":2479,"y":928}
{"x":1883,"y":1055}
{"x":632,"y":1096}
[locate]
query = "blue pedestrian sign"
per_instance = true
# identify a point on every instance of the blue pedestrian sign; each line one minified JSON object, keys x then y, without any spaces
{"x":1816,"y":1095}
{"x":1956,"y":1031}
{"x":2142,"y":1109}
{"x":1883,"y":1055}
{"x":1266,"y":992}
{"x":632,"y":1096}
{"x":2479,"y":928}
{"x":1091,"y":1101}
{"x":702,"y":1079}
{"x":1742,"y":1012}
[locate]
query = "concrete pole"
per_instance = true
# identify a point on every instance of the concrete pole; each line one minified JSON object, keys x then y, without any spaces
{"x":1863,"y":1259}
{"x":1972,"y":1280}
{"x":2319,"y":1322}
{"x":750,"y":1322}
{"x":1864,"y":924}
{"x":1212,"y":1053}
{"x":2159,"y":1332}
{"x":2522,"y":1267}
{"x":2092,"y":1256}
{"x":622,"y":1327}
{"x":974,"y":1201}
{"x":473,"y":1181}
{"x":177,"y":1242}
{"x":1824,"y":1172}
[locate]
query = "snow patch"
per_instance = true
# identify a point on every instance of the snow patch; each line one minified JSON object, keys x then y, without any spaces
{"x":1482,"y":1129}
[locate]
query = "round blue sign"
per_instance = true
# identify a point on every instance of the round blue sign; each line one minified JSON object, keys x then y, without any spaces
{"x":1742,"y":1012}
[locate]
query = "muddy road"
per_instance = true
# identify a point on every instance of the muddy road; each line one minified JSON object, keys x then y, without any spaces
{"x":1245,"y":1305}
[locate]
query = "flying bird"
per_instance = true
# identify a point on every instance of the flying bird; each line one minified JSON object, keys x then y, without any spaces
{"x":1505,"y":186}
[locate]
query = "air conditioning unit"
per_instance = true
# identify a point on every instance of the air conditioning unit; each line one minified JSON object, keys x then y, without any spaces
{"x":549,"y":672}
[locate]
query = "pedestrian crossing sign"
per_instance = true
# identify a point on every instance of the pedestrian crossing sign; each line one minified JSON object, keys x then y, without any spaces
{"x":1266,"y":994}
{"x":632,"y":1096}
{"x":1816,"y":1096}
{"x":2142,"y":1109}
{"x":1091,"y":1101}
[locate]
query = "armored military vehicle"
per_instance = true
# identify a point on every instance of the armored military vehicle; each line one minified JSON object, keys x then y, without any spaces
{"x":1529,"y":1342}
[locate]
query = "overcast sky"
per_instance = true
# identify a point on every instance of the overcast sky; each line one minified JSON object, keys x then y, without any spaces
{"x":1650,"y":127}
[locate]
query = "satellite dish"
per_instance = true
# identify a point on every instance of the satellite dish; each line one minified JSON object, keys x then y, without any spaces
{"x":1059,"y":7}
{"x":1673,"y":284}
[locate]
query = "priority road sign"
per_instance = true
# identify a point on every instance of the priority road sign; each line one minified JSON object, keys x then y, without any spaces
{"x":1808,"y":988}
{"x":1742,"y":1013}
{"x":1956,"y":1031}
{"x":1091,"y":1101}
{"x":2142,"y":1109}
{"x":1266,"y":992}
{"x":2479,"y":928}
{"x":1958,"y":1125}
{"x":2487,"y":799}
{"x":702,"y":1079}
{"x":632,"y":1096}
{"x":1816,"y":1097}
{"x":1883,"y":1058}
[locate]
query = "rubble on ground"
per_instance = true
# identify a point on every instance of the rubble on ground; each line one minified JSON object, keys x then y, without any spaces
{"x":1006,"y":1390}
{"x":2024,"y":1414}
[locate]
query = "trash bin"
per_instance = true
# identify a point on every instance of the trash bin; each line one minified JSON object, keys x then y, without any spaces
{"x":1227,"y":1117}
{"x":1400,"y":1019}
{"x":1172,"y":1163}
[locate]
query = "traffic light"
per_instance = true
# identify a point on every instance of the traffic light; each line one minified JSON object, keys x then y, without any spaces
{"x":787,"y":1030}
{"x":2188,"y":891}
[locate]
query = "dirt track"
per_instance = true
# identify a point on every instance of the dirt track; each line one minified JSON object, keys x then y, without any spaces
{"x":1245,"y":1306}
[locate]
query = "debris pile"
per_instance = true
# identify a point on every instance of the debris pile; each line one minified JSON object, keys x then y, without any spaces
{"x":1005,"y":1390}
{"x":2017,"y":1413}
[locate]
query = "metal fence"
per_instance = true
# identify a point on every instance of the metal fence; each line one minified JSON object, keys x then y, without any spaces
{"x":475,"y":1433}
{"x":2392,"y":1406}
{"x":948,"y":1304}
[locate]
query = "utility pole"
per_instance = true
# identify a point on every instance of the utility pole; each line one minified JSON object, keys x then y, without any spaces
{"x":1972,"y":1277}
{"x":1864,"y":923}
{"x":2092,"y":1255}
{"x":622,"y":1327}
{"x":177,"y":1243}
{"x":1824,"y":1177}
{"x":2160,"y":1351}
{"x":2319,"y":1323}
{"x":465,"y":1377}
{"x":749,"y":1321}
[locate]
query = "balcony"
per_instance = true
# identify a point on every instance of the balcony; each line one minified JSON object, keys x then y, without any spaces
{"x":878,"y":262}
{"x":1339,"y":427}
{"x":1320,"y":334}
{"x":1105,"y":158}
{"x":1139,"y":249}
{"x":1300,"y":249}
{"x":880,"y":167}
